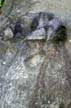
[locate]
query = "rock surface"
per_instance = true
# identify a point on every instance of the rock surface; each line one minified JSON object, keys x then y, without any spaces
{"x":8,"y":33}
{"x":35,"y":73}
{"x":38,"y":75}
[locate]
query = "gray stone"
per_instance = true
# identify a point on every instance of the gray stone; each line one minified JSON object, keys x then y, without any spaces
{"x":37,"y":74}
{"x":38,"y":34}
{"x":8,"y":34}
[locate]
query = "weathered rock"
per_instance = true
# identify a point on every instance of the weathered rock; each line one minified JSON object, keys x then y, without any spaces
{"x":38,"y":75}
{"x":57,"y":30}
{"x":40,"y":20}
{"x":8,"y":33}
{"x":19,"y":29}
{"x":35,"y":23}
{"x":38,"y":34}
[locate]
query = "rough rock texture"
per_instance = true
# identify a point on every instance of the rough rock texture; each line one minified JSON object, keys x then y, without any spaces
{"x":35,"y":73}
{"x":38,"y":76}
